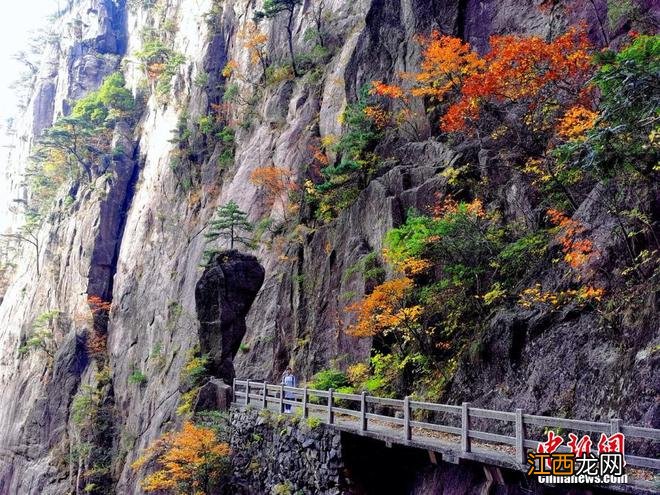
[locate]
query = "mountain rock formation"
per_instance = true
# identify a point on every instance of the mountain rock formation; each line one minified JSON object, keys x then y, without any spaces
{"x":134,"y":236}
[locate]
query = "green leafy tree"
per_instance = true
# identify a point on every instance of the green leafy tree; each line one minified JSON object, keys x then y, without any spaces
{"x":625,"y":136}
{"x":29,"y":233}
{"x":41,"y":338}
{"x":229,"y":223}
{"x":75,"y":138}
{"x":111,"y":101}
{"x":69,"y":150}
{"x":75,"y":142}
{"x":273,"y":8}
{"x":329,"y":379}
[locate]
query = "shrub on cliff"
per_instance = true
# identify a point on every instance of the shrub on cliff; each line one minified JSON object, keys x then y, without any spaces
{"x":160,"y":63}
{"x":278,"y":185}
{"x":626,"y":134}
{"x":41,"y":339}
{"x":104,"y":106}
{"x":191,"y":461}
{"x":451,"y":268}
{"x":356,"y":160}
{"x":272,"y":8}
{"x":329,"y":379}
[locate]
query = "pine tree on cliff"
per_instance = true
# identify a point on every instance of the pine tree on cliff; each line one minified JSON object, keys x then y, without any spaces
{"x":229,"y":222}
{"x":272,"y":8}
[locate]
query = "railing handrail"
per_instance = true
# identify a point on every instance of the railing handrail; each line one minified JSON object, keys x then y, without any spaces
{"x":263,"y":395}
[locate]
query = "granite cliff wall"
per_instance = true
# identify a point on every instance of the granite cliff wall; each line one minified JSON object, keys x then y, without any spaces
{"x":135,"y":237}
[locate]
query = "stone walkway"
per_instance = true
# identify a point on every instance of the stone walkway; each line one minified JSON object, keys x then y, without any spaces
{"x":449,"y":446}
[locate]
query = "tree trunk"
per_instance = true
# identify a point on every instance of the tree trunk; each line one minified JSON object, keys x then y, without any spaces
{"x":289,"y":31}
{"x":36,"y":247}
{"x":78,"y":476}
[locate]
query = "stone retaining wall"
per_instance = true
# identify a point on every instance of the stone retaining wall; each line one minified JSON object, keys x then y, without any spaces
{"x":277,"y":454}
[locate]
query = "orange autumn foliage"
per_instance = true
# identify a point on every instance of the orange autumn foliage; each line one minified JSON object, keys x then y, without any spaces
{"x":388,"y":90}
{"x":319,"y":156}
{"x":254,"y":41}
{"x":98,"y":305}
{"x":525,"y":70}
{"x":401,"y":117}
{"x":277,"y":183}
{"x":409,"y":266}
{"x":384,"y":309}
{"x":230,"y":67}
{"x":100,"y":310}
{"x":188,"y":461}
{"x":577,"y":250}
{"x":155,"y":70}
{"x":412,"y":266}
{"x":222,"y":113}
{"x":447,"y":205}
{"x":446,"y":62}
{"x":96,"y":344}
{"x":542,"y":78}
{"x":377,"y":115}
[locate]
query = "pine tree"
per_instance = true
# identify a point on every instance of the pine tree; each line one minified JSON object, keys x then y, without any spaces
{"x":272,"y":8}
{"x":228,"y":223}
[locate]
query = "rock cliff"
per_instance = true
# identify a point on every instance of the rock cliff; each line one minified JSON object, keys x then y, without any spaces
{"x":134,"y":236}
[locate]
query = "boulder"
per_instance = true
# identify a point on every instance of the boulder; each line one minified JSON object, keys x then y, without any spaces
{"x":223,"y":297}
{"x":214,"y":395}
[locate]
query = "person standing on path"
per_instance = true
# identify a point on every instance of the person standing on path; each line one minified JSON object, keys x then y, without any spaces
{"x":288,"y":380}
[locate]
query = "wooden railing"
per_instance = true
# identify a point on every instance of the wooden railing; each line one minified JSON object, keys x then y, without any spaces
{"x":405,"y":424}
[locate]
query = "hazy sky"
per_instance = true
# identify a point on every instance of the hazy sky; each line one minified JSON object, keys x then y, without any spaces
{"x":19,"y":18}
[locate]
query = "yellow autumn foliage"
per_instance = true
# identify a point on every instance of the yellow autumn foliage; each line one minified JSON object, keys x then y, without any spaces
{"x":576,"y":122}
{"x":188,"y":461}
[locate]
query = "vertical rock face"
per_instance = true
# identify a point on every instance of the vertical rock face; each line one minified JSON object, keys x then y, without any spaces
{"x":135,"y":236}
{"x":223,"y":297}
{"x":87,"y":43}
{"x":112,"y":215}
{"x":35,"y":391}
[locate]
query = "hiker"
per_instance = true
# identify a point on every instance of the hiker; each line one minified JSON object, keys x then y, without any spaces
{"x":288,"y":380}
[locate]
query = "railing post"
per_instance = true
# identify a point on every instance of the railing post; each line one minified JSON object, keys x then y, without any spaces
{"x":281,"y":399}
{"x":465,"y":427}
{"x":363,"y":411}
{"x":304,"y":404}
{"x":520,"y":437}
{"x":265,"y":399}
{"x":247,"y":392}
{"x":407,"y":432}
{"x":233,"y":390}
{"x":331,"y":415}
{"x":615,"y":426}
